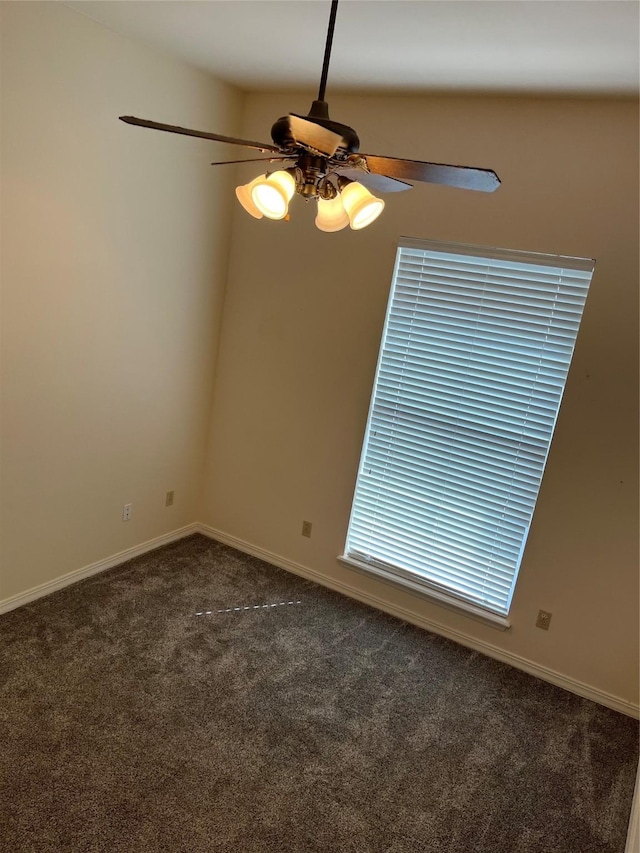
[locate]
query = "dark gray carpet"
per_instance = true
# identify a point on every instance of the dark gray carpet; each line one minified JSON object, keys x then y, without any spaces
{"x":130,"y":723}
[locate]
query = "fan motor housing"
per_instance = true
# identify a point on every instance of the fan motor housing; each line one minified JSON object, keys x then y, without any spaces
{"x":318,"y":114}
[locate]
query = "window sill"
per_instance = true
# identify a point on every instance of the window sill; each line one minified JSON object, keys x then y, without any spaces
{"x":501,"y":623}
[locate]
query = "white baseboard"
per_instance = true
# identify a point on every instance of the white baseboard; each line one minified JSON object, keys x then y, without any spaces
{"x":633,"y":835}
{"x":93,"y":569}
{"x":542,"y":672}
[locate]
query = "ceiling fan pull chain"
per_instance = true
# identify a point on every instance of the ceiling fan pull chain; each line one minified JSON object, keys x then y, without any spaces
{"x":327,"y":50}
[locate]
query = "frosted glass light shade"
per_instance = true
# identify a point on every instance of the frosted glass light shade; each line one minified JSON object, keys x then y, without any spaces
{"x":243,"y":194}
{"x":331,"y":214}
{"x":362,"y":207}
{"x":272,"y":194}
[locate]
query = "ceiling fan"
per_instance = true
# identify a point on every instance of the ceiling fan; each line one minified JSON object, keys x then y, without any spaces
{"x":326,"y":165}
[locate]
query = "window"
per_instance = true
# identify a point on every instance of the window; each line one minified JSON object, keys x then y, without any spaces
{"x":474,"y":358}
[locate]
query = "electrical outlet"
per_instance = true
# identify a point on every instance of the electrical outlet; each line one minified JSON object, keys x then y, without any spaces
{"x":169,"y":499}
{"x":544,"y":620}
{"x":126,"y":512}
{"x":306,"y":529}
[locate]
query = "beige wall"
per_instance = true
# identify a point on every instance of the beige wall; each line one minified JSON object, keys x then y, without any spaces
{"x":114,"y":251}
{"x":302,"y":323}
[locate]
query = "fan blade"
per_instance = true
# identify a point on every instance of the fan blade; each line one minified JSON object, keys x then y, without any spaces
{"x":216,"y":137}
{"x":464,"y":177}
{"x":380,"y":183}
{"x":314,"y":136}
{"x":252,"y":160}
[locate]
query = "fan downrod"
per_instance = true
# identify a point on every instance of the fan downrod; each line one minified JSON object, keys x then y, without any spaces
{"x":319,"y":112}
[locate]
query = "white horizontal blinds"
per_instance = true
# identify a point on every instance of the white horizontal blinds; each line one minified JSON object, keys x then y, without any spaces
{"x":473,"y":363}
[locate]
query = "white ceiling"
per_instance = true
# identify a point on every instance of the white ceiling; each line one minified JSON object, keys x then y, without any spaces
{"x":519,"y":46}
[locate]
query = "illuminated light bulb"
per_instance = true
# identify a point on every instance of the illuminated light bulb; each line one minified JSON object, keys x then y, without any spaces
{"x":362,"y":207}
{"x":272,"y":194}
{"x":243,"y":194}
{"x":331,"y":214}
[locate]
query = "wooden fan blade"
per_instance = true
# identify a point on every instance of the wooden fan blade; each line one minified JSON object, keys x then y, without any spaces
{"x":313,"y":135}
{"x":379,"y":183}
{"x":253,"y":160}
{"x":216,"y":137}
{"x":463,"y":177}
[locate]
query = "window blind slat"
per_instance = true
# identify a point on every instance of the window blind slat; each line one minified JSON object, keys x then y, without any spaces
{"x":499,"y":540}
{"x":474,"y":440}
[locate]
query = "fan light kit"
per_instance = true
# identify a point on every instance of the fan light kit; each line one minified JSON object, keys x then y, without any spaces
{"x":321,"y":162}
